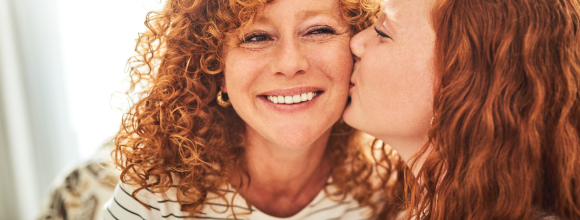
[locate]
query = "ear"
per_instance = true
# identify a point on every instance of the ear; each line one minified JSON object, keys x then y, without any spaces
{"x":222,"y":82}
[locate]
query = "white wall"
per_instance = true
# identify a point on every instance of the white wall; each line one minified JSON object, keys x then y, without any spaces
{"x":60,"y":63}
{"x":98,"y":37}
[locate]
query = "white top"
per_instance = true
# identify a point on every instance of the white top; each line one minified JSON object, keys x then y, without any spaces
{"x":123,"y":206}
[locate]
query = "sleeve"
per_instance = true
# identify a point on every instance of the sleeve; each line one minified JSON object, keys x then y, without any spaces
{"x":80,"y":193}
{"x":123,"y":206}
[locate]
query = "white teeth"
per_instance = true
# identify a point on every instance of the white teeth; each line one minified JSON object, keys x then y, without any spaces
{"x":292,"y":99}
{"x":296,"y":98}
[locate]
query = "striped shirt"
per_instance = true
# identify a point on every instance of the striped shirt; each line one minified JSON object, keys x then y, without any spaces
{"x":123,"y":206}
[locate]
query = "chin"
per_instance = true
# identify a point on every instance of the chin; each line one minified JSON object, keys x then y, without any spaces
{"x":300,"y":137}
{"x":296,"y":140}
{"x":350,"y":117}
{"x":355,"y":118}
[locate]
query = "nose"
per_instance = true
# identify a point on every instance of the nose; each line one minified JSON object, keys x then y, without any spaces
{"x":289,"y":59}
{"x":357,"y":44}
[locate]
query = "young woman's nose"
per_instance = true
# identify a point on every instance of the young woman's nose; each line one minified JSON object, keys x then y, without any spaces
{"x":357,"y":44}
{"x":289,"y":58}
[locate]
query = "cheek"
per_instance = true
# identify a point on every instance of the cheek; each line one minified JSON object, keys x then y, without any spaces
{"x":238,"y":87}
{"x":377,"y":79}
{"x":340,"y":74}
{"x":396,"y":85}
{"x":240,"y":74}
{"x":335,"y":61}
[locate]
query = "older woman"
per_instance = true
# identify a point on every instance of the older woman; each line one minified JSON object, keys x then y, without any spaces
{"x":481,"y":98}
{"x":240,"y":114}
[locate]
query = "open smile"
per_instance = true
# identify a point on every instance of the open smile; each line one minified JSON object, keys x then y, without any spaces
{"x":291,"y":96}
{"x":292,"y":99}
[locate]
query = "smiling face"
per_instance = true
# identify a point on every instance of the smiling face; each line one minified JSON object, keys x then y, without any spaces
{"x":287,"y":75}
{"x":392,"y":81}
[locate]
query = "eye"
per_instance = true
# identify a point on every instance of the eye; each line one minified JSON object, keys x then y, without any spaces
{"x":322,"y":30}
{"x":255,"y":38}
{"x":380,"y":33}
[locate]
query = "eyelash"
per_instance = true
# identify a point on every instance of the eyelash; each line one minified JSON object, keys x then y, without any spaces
{"x":265,"y":37}
{"x":381,"y":33}
{"x":322,"y":30}
{"x":255,"y":35}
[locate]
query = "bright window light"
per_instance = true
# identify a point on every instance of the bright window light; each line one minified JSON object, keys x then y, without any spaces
{"x":98,"y":37}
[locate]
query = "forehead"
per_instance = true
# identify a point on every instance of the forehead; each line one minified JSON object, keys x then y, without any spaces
{"x":292,"y":9}
{"x":407,"y":11}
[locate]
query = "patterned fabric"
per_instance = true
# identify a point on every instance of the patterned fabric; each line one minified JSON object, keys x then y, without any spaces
{"x":82,"y":193}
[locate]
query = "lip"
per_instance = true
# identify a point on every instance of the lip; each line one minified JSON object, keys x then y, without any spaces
{"x":354,"y":70}
{"x":292,"y":91}
{"x":351,"y":89}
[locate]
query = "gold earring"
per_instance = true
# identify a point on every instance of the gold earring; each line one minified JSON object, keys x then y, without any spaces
{"x":221,"y":101}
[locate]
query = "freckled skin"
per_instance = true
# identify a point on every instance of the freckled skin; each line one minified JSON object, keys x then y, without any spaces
{"x":393,"y":77}
{"x":292,"y":58}
{"x":293,"y":44}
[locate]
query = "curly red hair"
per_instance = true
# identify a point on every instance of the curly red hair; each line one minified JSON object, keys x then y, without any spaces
{"x":505,"y":138}
{"x":176,"y":127}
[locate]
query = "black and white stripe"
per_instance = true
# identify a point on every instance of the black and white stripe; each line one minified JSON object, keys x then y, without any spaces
{"x":122,"y":206}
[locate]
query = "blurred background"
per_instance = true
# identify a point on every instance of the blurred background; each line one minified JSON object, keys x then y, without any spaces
{"x":62,"y":78}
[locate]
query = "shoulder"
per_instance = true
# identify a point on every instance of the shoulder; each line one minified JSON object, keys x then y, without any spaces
{"x":81,"y":191}
{"x":145,"y":204}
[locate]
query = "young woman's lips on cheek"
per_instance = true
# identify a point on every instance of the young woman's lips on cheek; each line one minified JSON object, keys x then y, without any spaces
{"x":291,"y":100}
{"x":351,"y":88}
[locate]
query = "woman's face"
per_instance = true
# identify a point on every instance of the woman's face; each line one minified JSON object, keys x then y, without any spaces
{"x":392,"y":82}
{"x":287,"y":75}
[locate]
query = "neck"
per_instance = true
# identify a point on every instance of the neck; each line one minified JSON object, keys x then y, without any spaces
{"x":407,"y":148}
{"x":287,"y":177}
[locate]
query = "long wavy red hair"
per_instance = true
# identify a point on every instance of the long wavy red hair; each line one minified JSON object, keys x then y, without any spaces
{"x":177,"y":128}
{"x":505,"y":138}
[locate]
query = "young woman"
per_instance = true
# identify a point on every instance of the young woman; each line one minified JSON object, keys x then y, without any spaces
{"x":481,"y":99}
{"x":240,"y":114}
